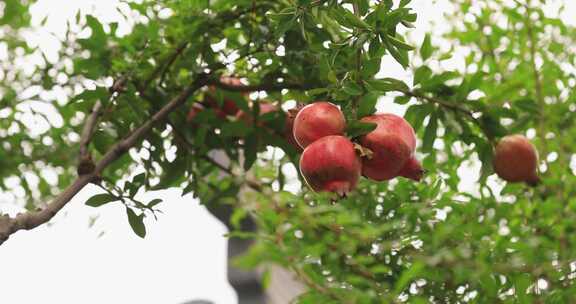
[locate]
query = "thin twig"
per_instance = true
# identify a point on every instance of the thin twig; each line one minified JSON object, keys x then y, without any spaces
{"x":455,"y":108}
{"x":172,"y":59}
{"x":537,"y":80}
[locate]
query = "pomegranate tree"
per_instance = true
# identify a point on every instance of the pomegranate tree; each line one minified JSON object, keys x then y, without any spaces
{"x":393,"y":143}
{"x":516,"y":160}
{"x":330,"y":164}
{"x":317,"y":120}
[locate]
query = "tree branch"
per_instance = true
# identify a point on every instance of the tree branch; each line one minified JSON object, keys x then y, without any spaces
{"x":32,"y":219}
{"x":261,"y":87}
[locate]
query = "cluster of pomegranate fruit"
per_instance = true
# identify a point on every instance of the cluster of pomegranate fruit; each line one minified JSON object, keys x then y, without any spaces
{"x":330,"y":161}
{"x":228,"y":108}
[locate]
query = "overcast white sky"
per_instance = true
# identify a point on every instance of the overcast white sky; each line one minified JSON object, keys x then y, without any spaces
{"x":183,"y":256}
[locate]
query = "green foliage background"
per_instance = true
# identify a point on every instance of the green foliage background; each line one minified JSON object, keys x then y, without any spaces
{"x":396,"y":241}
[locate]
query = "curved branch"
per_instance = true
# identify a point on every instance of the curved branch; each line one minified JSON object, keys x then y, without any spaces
{"x":33,"y":219}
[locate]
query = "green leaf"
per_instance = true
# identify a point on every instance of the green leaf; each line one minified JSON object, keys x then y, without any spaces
{"x":100,"y":199}
{"x":154,"y":202}
{"x":97,"y":40}
{"x":235,"y":129}
{"x":286,"y":20}
{"x":367,"y":104}
{"x":430,"y":133}
{"x":358,"y":128}
{"x":352,"y":19}
{"x":387,"y":85}
{"x":136,"y":222}
{"x":399,"y":43}
{"x":352,"y":88}
{"x":99,"y":93}
{"x":251,"y":144}
{"x":422,"y":74}
{"x":399,"y":55}
{"x":371,"y":67}
{"x":402,"y":99}
{"x":403,"y":3}
{"x":407,"y":276}
{"x":426,"y":49}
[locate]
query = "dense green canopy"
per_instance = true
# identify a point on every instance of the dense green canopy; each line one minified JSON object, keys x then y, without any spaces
{"x":111,"y":106}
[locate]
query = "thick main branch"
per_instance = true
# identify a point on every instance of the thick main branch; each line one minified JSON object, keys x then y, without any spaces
{"x":32,"y":219}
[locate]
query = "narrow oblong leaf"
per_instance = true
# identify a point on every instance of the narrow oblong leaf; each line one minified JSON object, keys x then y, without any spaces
{"x":399,"y":43}
{"x":358,"y":128}
{"x":426,"y":49}
{"x":100,"y":199}
{"x":430,"y":133}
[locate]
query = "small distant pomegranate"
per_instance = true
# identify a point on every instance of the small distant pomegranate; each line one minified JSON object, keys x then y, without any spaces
{"x":516,"y":160}
{"x":317,"y":120}
{"x":393,"y":143}
{"x":228,"y":106}
{"x":330,"y":164}
{"x":412,"y":169}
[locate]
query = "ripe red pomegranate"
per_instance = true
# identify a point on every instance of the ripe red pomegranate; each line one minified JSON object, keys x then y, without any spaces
{"x":330,"y":164}
{"x":228,"y":106}
{"x":317,"y":120}
{"x":412,"y":169}
{"x":516,"y":160}
{"x":392,"y":142}
{"x":289,"y":128}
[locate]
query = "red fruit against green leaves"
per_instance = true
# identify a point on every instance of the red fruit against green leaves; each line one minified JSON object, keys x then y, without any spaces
{"x":392,"y":142}
{"x":516,"y":160}
{"x":330,"y":164}
{"x":317,"y":120}
{"x":228,"y":106}
{"x":412,"y":169}
{"x":193,"y":112}
{"x":289,"y":127}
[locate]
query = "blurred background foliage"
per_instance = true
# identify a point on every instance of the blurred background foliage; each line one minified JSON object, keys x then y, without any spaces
{"x":399,"y":241}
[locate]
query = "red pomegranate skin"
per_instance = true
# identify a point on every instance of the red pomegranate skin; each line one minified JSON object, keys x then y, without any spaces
{"x":317,"y":120}
{"x":392,"y":142}
{"x":289,"y":128}
{"x":412,"y":169}
{"x":330,"y":164}
{"x":516,"y":160}
{"x":228,"y":106}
